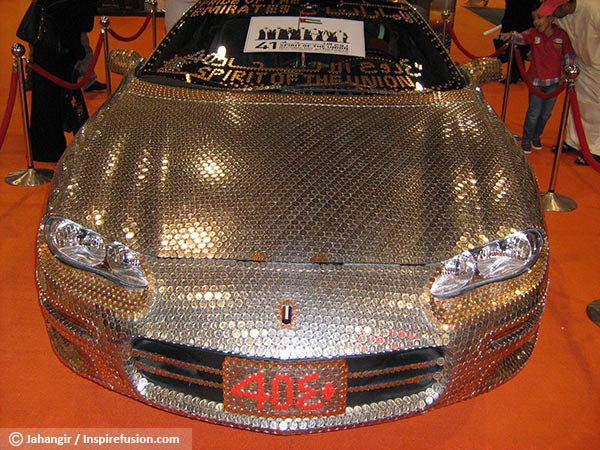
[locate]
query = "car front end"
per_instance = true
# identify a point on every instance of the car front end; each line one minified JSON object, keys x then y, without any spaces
{"x":275,"y":260}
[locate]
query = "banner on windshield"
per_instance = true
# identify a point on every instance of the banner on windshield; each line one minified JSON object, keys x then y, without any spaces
{"x":306,"y":35}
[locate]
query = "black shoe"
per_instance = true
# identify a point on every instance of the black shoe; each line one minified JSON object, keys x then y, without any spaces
{"x":95,"y":86}
{"x":580,"y":160}
{"x":566,"y":149}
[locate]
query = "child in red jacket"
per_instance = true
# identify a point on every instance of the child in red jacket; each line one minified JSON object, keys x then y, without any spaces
{"x":551,"y":50}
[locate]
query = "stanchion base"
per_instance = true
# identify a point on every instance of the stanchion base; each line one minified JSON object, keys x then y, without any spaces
{"x":593,"y":311}
{"x":30,"y":177}
{"x":558,"y":203}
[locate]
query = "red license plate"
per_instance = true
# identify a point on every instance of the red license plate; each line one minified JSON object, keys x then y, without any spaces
{"x":285,"y":389}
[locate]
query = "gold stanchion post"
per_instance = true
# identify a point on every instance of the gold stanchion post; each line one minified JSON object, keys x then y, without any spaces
{"x":507,"y":80}
{"x":30,"y":176}
{"x":105,"y":23}
{"x":551,"y":200}
{"x":446,"y":20}
{"x":154,"y":8}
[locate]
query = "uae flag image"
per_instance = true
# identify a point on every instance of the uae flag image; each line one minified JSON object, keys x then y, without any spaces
{"x":309,"y":20}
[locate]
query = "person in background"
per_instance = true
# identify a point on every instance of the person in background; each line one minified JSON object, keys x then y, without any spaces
{"x":174,"y":9}
{"x":517,"y":17}
{"x":581,"y":21}
{"x":476,"y":2}
{"x":57,"y":51}
{"x":551,"y":50}
{"x":82,"y":66}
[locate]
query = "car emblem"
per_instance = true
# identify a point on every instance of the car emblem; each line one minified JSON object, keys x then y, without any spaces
{"x":287,"y":309}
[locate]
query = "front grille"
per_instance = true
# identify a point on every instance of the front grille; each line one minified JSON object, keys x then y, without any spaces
{"x":371,"y":378}
{"x":180,"y":368}
{"x":392,"y":375}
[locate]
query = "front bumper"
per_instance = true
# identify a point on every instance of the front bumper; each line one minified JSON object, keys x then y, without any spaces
{"x":173,"y":344}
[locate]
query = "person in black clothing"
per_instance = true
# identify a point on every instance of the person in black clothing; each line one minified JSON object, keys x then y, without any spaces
{"x":53,"y":108}
{"x":517,"y":17}
{"x":83,"y":65}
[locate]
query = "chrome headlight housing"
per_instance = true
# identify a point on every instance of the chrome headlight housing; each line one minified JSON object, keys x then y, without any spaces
{"x":85,"y":249}
{"x":499,"y":260}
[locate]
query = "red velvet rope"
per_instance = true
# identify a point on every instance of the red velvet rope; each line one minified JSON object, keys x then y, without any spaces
{"x":10,"y":105}
{"x":136,"y":35}
{"x":583,"y":143}
{"x":554,"y":93}
{"x":469,"y":54}
{"x":65,"y":84}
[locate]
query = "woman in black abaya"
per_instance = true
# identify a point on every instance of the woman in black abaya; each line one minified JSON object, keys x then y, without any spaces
{"x":57,"y":50}
{"x":517,"y":17}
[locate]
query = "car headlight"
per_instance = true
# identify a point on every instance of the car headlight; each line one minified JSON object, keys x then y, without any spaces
{"x":85,"y":249}
{"x":499,"y":260}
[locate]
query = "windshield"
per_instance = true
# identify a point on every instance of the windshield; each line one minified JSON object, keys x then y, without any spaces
{"x":288,"y":46}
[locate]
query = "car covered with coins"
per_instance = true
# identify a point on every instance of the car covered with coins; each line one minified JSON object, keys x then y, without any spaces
{"x":295,"y":218}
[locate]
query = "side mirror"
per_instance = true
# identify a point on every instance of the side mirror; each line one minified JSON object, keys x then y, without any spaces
{"x":482,"y":70}
{"x":122,"y":61}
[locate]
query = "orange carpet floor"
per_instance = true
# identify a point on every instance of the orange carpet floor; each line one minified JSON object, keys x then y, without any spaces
{"x":553,"y":403}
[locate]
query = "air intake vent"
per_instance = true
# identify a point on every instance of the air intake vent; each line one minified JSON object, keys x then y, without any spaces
{"x":180,"y":368}
{"x":370,"y":378}
{"x":392,"y":375}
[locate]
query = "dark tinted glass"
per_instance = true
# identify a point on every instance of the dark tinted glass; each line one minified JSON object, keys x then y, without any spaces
{"x":216,"y":46}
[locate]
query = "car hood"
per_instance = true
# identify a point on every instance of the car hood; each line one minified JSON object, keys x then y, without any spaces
{"x":407,"y":179}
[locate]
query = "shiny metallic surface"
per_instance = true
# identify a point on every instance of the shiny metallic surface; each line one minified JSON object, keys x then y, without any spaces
{"x":105,"y":23}
{"x":247,"y":206}
{"x":572,"y":71}
{"x":122,"y":61}
{"x":593,"y":311}
{"x":551,"y":201}
{"x":30,"y":176}
{"x":346,"y":311}
{"x":154,"y":9}
{"x":17,"y":51}
{"x":274,"y":173}
{"x":509,"y":72}
{"x":482,"y":70}
{"x":446,"y":18}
